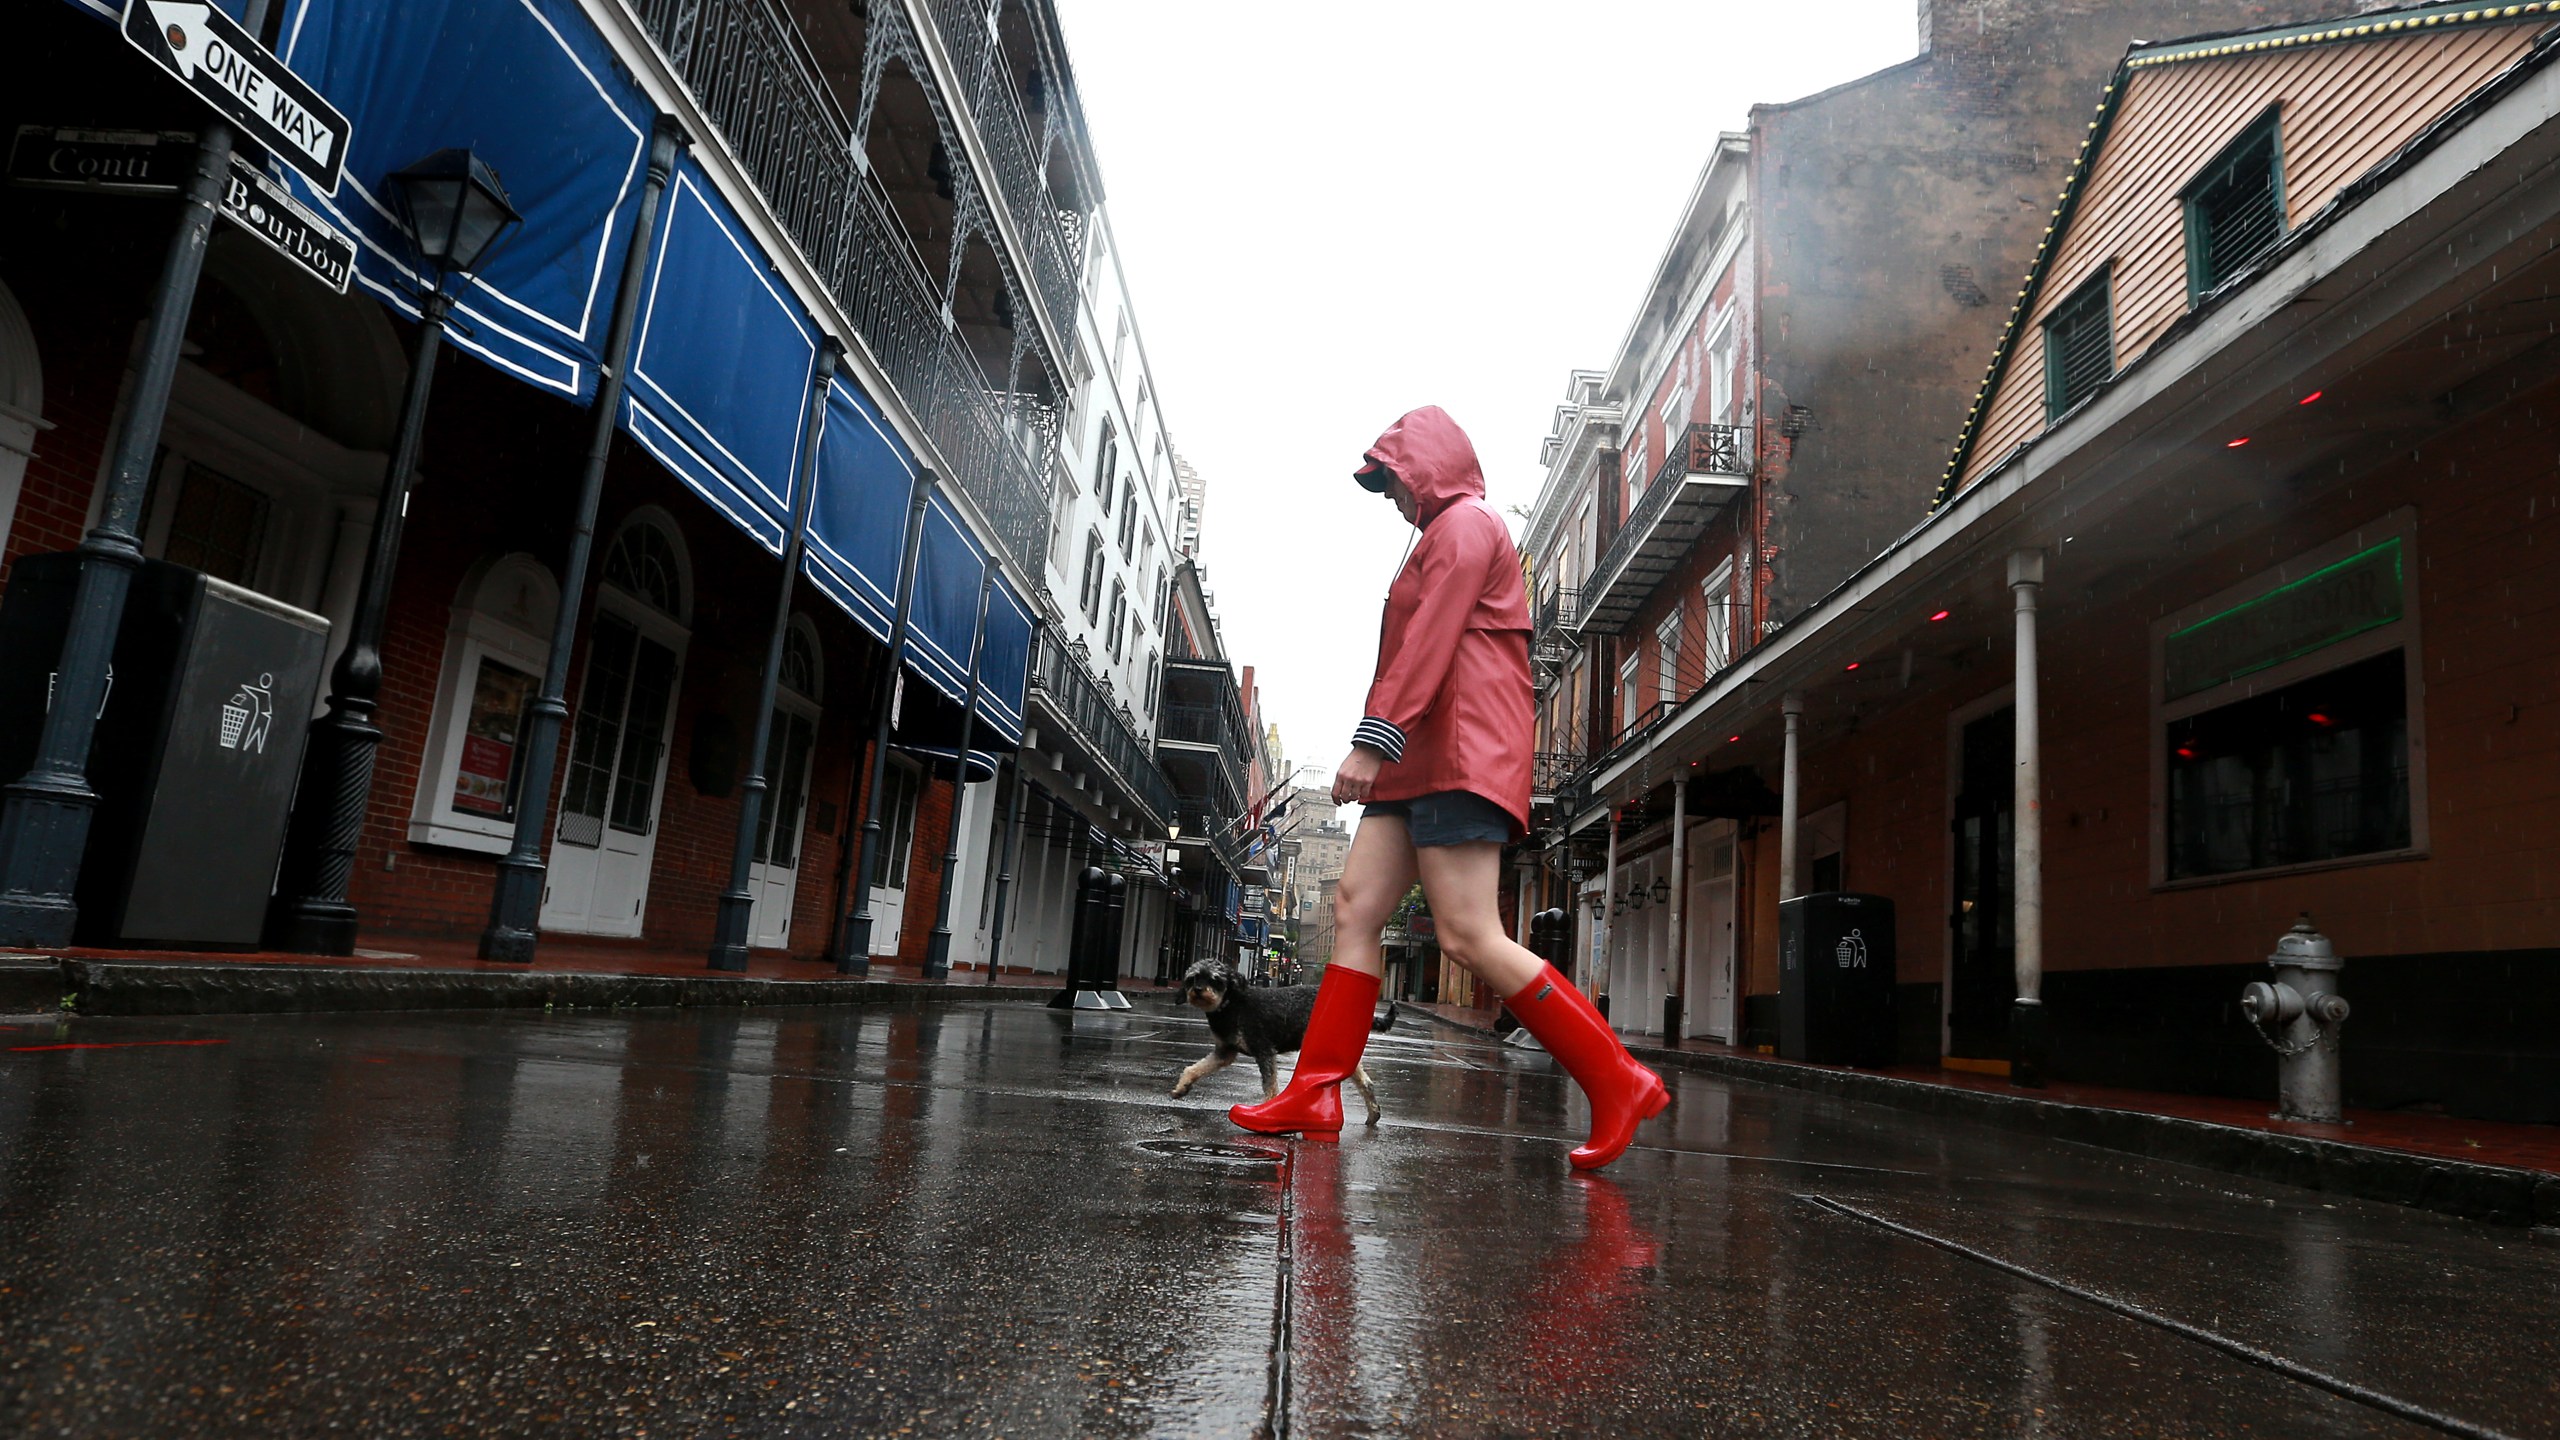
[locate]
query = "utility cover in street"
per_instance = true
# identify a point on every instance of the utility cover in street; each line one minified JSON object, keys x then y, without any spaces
{"x":261,"y":207}
{"x":235,"y":74}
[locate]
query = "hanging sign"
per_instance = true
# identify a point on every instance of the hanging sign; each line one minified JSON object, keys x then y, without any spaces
{"x":261,"y":207}
{"x":122,"y":162}
{"x":212,"y":55}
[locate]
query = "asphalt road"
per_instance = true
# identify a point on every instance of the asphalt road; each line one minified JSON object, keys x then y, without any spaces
{"x":993,"y":1220}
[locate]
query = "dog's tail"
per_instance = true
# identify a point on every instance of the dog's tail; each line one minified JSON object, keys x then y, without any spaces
{"x":1386,"y":1022}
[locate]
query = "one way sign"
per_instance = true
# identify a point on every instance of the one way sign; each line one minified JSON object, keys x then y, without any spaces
{"x":226,"y":65}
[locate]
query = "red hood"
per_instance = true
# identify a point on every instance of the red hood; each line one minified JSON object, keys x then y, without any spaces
{"x":1433,"y":457}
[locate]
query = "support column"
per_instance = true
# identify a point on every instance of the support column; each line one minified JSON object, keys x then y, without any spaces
{"x":1676,"y":989}
{"x":1790,"y":813}
{"x":735,"y":910}
{"x":1012,"y":823}
{"x":853,"y":949}
{"x":2029,"y":1041}
{"x":515,"y":906}
{"x":937,"y":953}
{"x":1605,"y":928}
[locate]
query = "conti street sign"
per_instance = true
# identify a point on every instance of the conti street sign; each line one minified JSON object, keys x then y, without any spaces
{"x":261,"y":207}
{"x":123,"y":162}
{"x":212,"y":55}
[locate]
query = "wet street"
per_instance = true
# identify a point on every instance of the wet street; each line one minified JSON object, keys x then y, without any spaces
{"x":993,"y":1220}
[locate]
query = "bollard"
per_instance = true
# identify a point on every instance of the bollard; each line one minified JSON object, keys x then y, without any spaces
{"x":2300,"y":1014}
{"x":1093,"y":957}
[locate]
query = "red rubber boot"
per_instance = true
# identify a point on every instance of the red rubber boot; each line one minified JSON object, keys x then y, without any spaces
{"x":1623,"y":1093}
{"x":1337,"y":1031}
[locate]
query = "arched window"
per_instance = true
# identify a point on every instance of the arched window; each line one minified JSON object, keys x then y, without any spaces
{"x":800,"y":661}
{"x":643,"y":562}
{"x":21,"y":404}
{"x":774,"y":876}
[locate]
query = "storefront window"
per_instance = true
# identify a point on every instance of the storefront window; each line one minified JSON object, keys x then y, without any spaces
{"x":495,"y":653}
{"x":2317,"y":770}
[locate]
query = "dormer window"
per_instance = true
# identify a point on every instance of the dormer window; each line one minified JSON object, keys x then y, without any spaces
{"x":2079,"y":347}
{"x":2235,"y":209}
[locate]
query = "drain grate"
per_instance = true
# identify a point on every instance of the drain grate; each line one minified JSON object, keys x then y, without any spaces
{"x":1241,"y":1155}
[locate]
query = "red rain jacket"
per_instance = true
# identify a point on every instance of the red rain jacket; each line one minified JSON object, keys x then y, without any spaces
{"x":1451,"y":707}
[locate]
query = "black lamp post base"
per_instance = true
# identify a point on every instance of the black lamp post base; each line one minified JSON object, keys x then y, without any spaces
{"x":516,"y":914}
{"x":311,"y":927}
{"x":42,"y":838}
{"x":853,"y":950}
{"x":729,"y":932}
{"x":937,"y":956}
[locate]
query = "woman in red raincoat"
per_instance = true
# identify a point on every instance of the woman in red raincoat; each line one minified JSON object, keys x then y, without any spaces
{"x":1441,"y":763}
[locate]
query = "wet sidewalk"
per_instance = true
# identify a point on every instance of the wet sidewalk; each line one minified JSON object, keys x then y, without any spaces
{"x":991,"y":1219}
{"x":2483,"y":1169}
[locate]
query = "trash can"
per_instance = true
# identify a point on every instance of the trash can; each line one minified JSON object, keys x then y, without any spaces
{"x":196,"y":752}
{"x":1835,"y":979}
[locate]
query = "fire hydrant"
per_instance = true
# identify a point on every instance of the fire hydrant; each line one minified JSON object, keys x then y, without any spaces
{"x":2299,"y":1015}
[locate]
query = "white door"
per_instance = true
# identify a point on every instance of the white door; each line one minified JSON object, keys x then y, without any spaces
{"x":900,"y":783}
{"x":773,"y":875}
{"x":1711,"y":958}
{"x":608,"y":831}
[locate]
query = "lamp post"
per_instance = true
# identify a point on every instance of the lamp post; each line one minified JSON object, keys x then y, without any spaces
{"x":457,"y":211}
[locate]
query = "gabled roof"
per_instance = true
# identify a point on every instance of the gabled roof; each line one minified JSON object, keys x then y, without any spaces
{"x":2143,"y":55}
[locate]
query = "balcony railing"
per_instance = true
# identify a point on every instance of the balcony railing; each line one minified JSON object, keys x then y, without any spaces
{"x":997,"y":111}
{"x":1074,"y":695}
{"x":1695,"y":481}
{"x":1552,"y":768}
{"x":746,"y":68}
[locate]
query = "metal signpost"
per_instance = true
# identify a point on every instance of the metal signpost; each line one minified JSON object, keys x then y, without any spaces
{"x":213,"y":55}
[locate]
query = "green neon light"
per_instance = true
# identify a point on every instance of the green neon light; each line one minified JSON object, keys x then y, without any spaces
{"x":2361,"y":593}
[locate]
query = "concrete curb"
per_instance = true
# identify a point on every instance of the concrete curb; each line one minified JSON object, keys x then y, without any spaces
{"x":138,"y":987}
{"x":2497,"y":1194}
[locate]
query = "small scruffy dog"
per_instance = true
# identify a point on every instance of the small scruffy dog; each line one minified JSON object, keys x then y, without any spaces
{"x":1260,"y":1020}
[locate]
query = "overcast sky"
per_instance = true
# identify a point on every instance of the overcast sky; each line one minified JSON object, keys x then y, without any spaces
{"x":1330,"y":213}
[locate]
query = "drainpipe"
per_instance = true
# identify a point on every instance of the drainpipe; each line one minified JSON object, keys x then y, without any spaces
{"x":2028,"y":1038}
{"x":1788,"y":811}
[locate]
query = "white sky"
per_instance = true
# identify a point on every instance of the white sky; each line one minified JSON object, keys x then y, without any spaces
{"x":1330,"y":213}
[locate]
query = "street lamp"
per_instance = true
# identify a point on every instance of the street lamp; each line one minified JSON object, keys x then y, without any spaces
{"x":457,"y":212}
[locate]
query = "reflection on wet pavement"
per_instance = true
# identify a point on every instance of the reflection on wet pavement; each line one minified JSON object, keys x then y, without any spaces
{"x":993,"y":1220}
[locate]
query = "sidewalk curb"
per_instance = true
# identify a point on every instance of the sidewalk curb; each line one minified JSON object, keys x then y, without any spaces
{"x":140,"y":987}
{"x":2497,"y":1194}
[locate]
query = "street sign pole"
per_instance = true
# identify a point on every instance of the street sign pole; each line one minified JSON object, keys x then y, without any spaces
{"x":45,"y":813}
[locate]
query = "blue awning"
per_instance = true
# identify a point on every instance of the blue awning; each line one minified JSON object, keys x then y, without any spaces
{"x":942,"y":619}
{"x":720,"y":367}
{"x":529,"y":86}
{"x":865,"y":477}
{"x":1007,"y":663}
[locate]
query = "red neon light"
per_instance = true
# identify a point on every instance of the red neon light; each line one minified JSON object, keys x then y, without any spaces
{"x":110,"y":1045}
{"x":2314,"y":395}
{"x":2186,"y":752}
{"x":1852,"y":665}
{"x":1733,"y":739}
{"x":2235,"y":444}
{"x":2316,"y":718}
{"x":1941,"y":615}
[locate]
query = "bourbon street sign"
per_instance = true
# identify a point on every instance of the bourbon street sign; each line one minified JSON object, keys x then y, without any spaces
{"x":210,"y":52}
{"x":261,"y":207}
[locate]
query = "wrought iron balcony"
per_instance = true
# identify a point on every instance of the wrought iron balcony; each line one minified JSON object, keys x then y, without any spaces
{"x":1705,"y":473}
{"x":1021,"y":176}
{"x":746,"y":68}
{"x":1552,"y":770}
{"x":1060,"y":681}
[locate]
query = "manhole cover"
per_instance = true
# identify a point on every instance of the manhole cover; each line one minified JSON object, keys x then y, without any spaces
{"x":1213,"y":1153}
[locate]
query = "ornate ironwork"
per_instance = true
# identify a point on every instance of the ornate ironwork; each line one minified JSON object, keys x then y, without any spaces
{"x":967,"y":30}
{"x":751,"y":75}
{"x":1070,"y":691}
{"x":1553,"y":768}
{"x":1706,"y":450}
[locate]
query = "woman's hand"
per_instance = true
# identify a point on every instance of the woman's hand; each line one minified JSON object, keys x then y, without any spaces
{"x":1353,"y":778}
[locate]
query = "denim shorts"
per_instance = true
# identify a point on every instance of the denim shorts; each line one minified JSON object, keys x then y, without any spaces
{"x":1447,"y":817}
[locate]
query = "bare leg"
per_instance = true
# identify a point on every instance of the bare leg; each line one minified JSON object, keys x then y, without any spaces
{"x":1375,"y":877}
{"x":1202,"y":1068}
{"x":1463,"y":883}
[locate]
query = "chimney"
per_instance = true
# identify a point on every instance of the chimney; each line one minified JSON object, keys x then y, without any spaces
{"x":1926,"y":6}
